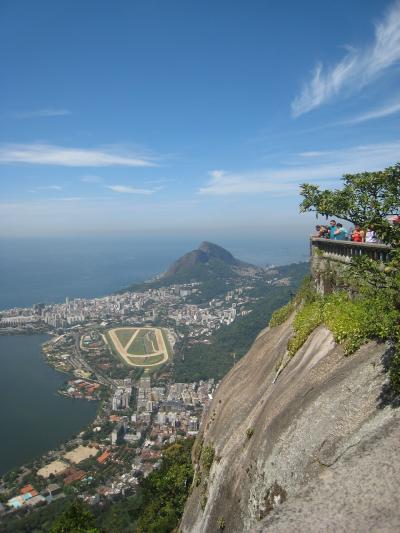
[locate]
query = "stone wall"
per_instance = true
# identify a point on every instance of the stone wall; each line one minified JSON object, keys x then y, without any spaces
{"x":330,"y":258}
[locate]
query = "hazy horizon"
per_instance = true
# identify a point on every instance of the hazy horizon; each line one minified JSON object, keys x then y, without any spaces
{"x":186,"y":117}
{"x":48,"y":269}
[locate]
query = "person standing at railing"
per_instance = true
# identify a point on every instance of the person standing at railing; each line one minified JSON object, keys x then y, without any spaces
{"x":332,"y":229}
{"x":370,"y":236}
{"x":321,"y":232}
{"x":357,"y":235}
{"x":340,"y":234}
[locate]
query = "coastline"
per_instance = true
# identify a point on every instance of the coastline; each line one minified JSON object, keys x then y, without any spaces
{"x":56,"y":392}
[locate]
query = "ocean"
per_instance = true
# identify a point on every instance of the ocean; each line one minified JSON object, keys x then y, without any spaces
{"x":49,"y":270}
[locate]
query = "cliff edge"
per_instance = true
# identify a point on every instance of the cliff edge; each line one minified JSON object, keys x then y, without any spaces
{"x":315,"y":451}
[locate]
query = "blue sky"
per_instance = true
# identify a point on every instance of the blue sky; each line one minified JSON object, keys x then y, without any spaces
{"x":187,"y":116}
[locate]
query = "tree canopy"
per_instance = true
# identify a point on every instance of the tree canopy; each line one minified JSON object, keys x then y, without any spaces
{"x":367,"y":199}
{"x":76,"y":519}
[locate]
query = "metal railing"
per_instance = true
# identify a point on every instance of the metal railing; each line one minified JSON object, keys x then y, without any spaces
{"x":344,"y":251}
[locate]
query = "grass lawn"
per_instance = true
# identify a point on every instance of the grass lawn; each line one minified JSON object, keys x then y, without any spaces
{"x":144,"y":343}
{"x":125,"y":335}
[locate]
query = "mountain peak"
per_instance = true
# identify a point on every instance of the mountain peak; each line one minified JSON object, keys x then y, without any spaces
{"x":204,"y":260}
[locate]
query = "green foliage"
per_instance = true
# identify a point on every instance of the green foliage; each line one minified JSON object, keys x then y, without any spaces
{"x":120,"y":516}
{"x":281,"y":315}
{"x":203,"y":501}
{"x":207,"y":458}
{"x":249,"y":432}
{"x":352,"y":321}
{"x":307,"y":319}
{"x":76,"y":519}
{"x":394,"y":370}
{"x":166,"y":489}
{"x":221,"y":523}
{"x":366,"y":199}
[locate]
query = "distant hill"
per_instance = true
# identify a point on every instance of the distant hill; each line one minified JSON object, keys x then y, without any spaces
{"x":208,"y":259}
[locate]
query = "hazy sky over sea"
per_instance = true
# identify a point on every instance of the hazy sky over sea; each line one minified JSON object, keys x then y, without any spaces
{"x":186,"y":116}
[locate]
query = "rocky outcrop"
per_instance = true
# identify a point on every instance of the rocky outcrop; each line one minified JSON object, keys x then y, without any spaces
{"x":205,"y":258}
{"x":314,"y":451}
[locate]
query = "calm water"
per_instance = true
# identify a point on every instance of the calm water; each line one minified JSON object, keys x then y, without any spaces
{"x":34,"y":419}
{"x":49,"y":270}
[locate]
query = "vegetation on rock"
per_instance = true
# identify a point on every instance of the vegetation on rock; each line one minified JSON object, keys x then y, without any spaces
{"x":366,"y":199}
{"x":207,"y":458}
{"x":249,"y":432}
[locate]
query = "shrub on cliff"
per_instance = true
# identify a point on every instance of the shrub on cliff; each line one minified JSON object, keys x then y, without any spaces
{"x":367,"y":199}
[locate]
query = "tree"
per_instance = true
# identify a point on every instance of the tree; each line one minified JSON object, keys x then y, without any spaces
{"x":76,"y":519}
{"x":367,"y":199}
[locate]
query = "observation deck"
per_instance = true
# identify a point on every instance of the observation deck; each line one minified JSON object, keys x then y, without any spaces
{"x":329,"y":257}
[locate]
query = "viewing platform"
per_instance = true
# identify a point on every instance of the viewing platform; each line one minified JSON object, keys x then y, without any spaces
{"x":344,"y":251}
{"x":330,"y":257}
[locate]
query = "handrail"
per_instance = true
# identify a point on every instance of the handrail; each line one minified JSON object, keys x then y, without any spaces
{"x":344,"y":251}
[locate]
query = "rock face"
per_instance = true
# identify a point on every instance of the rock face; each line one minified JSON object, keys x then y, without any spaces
{"x":315,"y":451}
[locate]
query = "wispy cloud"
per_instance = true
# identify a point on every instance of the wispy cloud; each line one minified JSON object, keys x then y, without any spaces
{"x":379,"y":112}
{"x":41,"y":113}
{"x":47,"y":154}
{"x":307,"y":166}
{"x":47,"y":188}
{"x":51,"y":188}
{"x":129,"y":190}
{"x":358,"y":68}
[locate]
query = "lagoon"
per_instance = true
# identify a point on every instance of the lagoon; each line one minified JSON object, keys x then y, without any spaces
{"x":33,"y":417}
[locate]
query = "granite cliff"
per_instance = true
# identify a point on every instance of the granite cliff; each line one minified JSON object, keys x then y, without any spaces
{"x":314,"y":451}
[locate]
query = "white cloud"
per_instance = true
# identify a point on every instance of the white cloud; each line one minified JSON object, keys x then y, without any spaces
{"x":129,"y":190}
{"x":51,"y":188}
{"x":41,"y":113}
{"x":379,"y":112}
{"x":357,"y":69}
{"x":47,"y":188}
{"x":320,"y":166}
{"x":255,"y":182}
{"x":46,"y":154}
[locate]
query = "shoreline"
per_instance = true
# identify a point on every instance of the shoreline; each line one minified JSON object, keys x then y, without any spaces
{"x":26,"y":465}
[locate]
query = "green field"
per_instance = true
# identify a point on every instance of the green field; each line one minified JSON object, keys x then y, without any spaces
{"x":150,"y":360}
{"x":124,"y":335}
{"x":144,"y":343}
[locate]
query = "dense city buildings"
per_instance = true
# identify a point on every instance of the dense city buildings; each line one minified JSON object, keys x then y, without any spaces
{"x":142,"y":410}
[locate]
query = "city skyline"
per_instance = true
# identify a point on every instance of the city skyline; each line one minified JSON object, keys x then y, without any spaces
{"x":177,"y":117}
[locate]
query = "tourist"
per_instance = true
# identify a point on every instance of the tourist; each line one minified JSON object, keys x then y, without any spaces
{"x":357,"y":235}
{"x":332,"y":229}
{"x":370,"y":236}
{"x":322,"y":232}
{"x":340,"y":233}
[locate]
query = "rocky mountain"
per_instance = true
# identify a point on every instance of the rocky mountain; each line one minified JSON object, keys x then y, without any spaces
{"x":316,"y":450}
{"x":208,"y":259}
